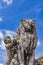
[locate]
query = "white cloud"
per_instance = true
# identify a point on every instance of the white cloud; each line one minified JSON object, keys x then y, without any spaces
{"x":1,"y":19}
{"x":10,"y":33}
{"x":1,"y":35}
{"x":38,"y":43}
{"x":5,"y":3}
{"x":8,"y":2}
{"x":1,"y":64}
{"x":2,"y":46}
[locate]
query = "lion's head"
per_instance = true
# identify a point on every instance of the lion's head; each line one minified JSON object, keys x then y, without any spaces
{"x":27,"y":25}
{"x":7,"y":41}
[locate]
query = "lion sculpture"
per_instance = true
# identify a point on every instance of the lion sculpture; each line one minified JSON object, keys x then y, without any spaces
{"x":28,"y":40}
{"x":25,"y":43}
{"x":11,"y":46}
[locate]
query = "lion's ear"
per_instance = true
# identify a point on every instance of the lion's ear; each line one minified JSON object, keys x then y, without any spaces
{"x":34,"y":24}
{"x":23,"y":20}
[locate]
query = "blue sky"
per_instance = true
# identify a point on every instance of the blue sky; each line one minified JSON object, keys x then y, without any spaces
{"x":11,"y":13}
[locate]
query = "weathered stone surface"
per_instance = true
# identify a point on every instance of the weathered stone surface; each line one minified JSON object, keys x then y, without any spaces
{"x":21,"y":50}
{"x":11,"y":47}
{"x":28,"y":40}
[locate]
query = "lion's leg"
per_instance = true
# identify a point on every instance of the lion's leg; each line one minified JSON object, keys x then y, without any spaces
{"x":14,"y":60}
{"x":31,"y":59}
{"x":21,"y":57}
{"x":8,"y":60}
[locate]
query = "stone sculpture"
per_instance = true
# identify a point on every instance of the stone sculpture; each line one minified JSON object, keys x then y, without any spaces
{"x":11,"y":47}
{"x":28,"y":38}
{"x":21,"y":50}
